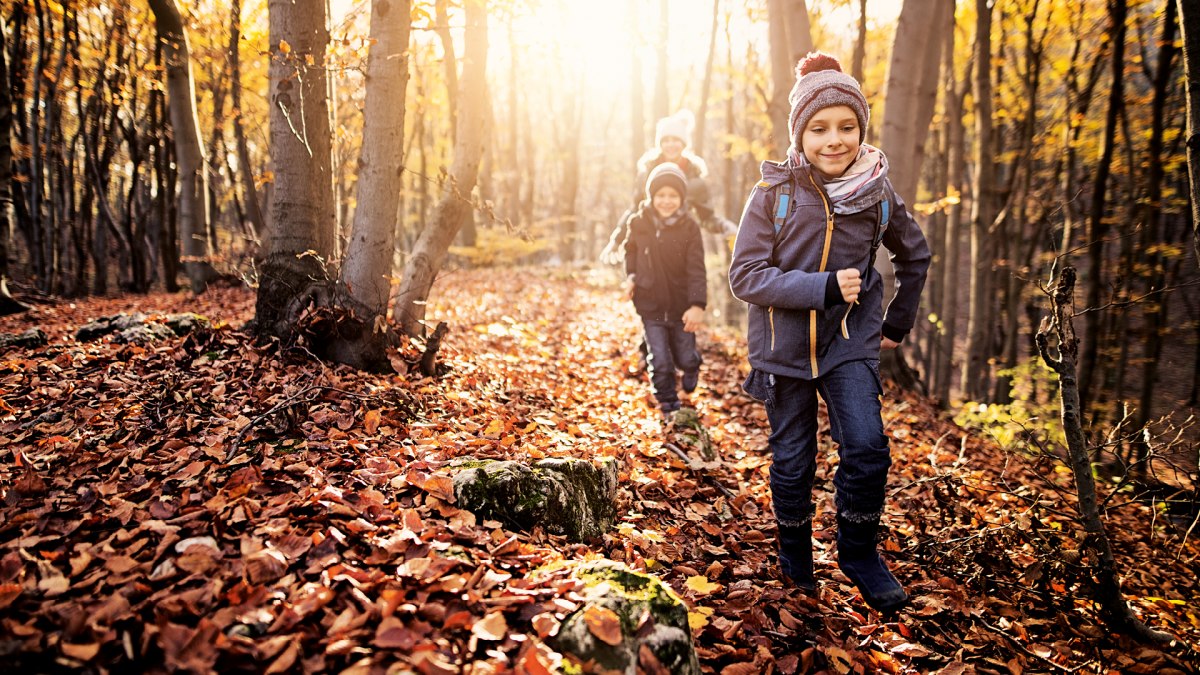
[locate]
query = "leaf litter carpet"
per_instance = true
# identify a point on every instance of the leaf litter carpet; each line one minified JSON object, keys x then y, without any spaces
{"x":205,"y":505}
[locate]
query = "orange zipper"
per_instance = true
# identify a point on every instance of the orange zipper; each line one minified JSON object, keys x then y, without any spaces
{"x":812,"y":317}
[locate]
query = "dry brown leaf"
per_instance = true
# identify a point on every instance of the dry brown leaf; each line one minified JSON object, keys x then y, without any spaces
{"x":491,"y":627}
{"x":604,"y":624}
{"x":265,"y":566}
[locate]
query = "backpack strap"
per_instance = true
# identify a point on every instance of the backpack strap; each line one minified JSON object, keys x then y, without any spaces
{"x":783,"y":199}
{"x":881,"y":222}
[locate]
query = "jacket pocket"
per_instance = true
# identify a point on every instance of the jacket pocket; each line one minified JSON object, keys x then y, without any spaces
{"x":787,"y":337}
{"x":829,"y":327}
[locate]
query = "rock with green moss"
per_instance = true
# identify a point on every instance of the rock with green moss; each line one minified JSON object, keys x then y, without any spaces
{"x":651,"y":615}
{"x":564,"y":496}
{"x":688,"y":432}
{"x":186,"y":322}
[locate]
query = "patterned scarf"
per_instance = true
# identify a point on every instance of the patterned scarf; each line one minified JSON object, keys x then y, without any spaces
{"x":860,"y":186}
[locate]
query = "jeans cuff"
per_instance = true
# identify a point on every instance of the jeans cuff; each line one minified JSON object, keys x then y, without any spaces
{"x":860,"y":517}
{"x":783,"y":522}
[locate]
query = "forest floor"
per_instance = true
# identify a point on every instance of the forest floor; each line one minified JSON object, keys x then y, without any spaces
{"x":140,"y":487}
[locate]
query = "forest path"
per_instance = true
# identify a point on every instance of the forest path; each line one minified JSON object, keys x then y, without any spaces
{"x":112,"y":457}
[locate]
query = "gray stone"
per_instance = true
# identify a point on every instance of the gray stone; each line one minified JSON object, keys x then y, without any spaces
{"x":650,"y":615}
{"x":573,"y":497}
{"x":185,"y":323}
{"x":98,"y":328}
{"x":30,"y":339}
{"x":144,"y":334}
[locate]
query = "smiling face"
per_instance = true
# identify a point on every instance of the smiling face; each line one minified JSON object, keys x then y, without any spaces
{"x":666,"y":201}
{"x":831,"y":139}
{"x":672,"y":148}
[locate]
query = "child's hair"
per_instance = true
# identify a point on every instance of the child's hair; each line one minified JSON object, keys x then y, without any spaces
{"x":820,"y":84}
{"x":667,"y":174}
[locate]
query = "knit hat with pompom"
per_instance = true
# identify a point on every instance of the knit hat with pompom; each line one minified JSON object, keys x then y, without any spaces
{"x":820,"y":83}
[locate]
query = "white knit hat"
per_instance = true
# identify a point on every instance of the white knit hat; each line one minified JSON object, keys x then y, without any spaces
{"x":678,"y":126}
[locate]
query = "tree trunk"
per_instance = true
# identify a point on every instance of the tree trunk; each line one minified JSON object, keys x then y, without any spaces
{"x":449,"y":61}
{"x":245,"y":168}
{"x":783,"y":76}
{"x":912,"y":92}
{"x":662,"y":98}
{"x":189,"y":155}
{"x":367,"y":270}
{"x":698,"y":140}
{"x":1058,"y":327}
{"x":859,"y":60}
{"x":1097,"y":229}
{"x":1151,"y":222}
{"x":975,"y":373}
{"x":637,"y":97}
{"x":7,"y":216}
{"x":1189,"y":28}
{"x":430,"y":251}
{"x":303,"y":225}
{"x":799,"y":29}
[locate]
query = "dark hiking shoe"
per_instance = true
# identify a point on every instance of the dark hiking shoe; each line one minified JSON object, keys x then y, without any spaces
{"x":690,"y":380}
{"x":796,"y":555}
{"x":861,"y":563}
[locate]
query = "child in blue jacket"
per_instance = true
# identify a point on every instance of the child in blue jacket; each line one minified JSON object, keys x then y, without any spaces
{"x":802,"y":261}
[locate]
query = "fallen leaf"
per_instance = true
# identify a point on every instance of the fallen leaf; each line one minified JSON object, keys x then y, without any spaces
{"x":491,"y":627}
{"x":604,"y":624}
{"x":700,"y":584}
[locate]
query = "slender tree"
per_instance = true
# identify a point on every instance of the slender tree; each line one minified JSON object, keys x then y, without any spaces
{"x":195,"y":243}
{"x":782,"y":77}
{"x":294,"y":274}
{"x":429,"y":253}
{"x":1189,"y":29}
{"x":975,"y":372}
{"x":368,"y":265}
{"x":1097,"y":227}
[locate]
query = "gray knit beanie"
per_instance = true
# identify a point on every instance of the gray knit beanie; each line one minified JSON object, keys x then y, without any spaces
{"x":820,"y":83}
{"x":666,"y":174}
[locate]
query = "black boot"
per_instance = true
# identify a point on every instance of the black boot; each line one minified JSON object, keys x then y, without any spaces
{"x":861,"y":563}
{"x":796,"y":555}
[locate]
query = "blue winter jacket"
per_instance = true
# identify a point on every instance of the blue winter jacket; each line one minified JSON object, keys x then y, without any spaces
{"x":791,"y":330}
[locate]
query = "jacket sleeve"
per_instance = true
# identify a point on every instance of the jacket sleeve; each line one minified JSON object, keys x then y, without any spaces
{"x":697,"y":274}
{"x":753,"y":278}
{"x":629,"y":245}
{"x":910,"y":256}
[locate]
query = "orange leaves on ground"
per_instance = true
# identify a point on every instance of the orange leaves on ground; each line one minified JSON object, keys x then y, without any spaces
{"x":604,"y":624}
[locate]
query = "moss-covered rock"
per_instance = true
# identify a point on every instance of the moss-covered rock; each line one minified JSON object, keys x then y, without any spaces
{"x":186,"y":322}
{"x":565,"y":496}
{"x":650,"y":615}
{"x":688,"y":432}
{"x":98,"y":328}
{"x":30,"y":339}
{"x":139,"y":329}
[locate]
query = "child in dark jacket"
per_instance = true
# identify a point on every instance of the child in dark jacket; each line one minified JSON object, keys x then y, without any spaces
{"x":664,"y":264}
{"x":816,"y":325}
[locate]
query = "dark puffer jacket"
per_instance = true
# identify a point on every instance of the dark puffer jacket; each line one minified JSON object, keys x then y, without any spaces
{"x":667,"y":264}
{"x":791,"y":330}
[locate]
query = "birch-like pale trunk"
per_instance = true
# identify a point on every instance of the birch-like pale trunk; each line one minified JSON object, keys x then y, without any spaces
{"x":195,"y":245}
{"x":429,"y":253}
{"x":368,"y":265}
{"x":302,"y":219}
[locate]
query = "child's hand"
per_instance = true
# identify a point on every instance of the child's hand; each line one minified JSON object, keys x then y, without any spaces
{"x":627,"y":289}
{"x":850,"y":283}
{"x":887,"y":343}
{"x":693,"y":319}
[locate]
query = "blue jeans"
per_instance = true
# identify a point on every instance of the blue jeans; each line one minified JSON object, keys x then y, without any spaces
{"x":671,"y":348}
{"x":851,"y":392}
